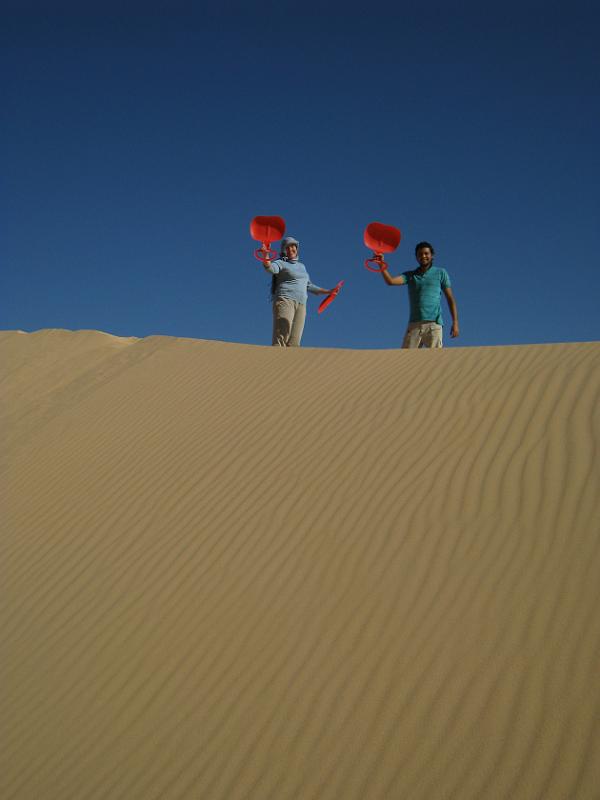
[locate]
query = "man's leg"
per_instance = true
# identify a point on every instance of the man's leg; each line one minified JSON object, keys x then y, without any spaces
{"x":283,"y":317}
{"x":297,"y":326}
{"x":432,"y":335}
{"x":412,"y":337}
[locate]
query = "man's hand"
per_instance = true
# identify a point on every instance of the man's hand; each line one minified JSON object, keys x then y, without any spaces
{"x":454,"y":330}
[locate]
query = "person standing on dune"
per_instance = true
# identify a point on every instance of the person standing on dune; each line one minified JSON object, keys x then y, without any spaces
{"x":289,"y":286}
{"x":425,"y":286}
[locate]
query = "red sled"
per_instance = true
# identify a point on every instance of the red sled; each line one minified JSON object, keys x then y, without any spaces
{"x":330,"y":297}
{"x":380,"y":239}
{"x":267,"y":230}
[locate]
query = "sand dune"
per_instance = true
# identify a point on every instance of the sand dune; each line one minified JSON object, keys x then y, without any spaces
{"x":239,"y":572}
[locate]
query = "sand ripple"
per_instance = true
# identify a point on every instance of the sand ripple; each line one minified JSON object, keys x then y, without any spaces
{"x":235,"y":572}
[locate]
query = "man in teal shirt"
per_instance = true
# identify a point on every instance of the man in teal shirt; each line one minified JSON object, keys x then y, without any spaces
{"x":425,"y":286}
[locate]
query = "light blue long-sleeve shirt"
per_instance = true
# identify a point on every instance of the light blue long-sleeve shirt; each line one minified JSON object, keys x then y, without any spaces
{"x":292,"y":280}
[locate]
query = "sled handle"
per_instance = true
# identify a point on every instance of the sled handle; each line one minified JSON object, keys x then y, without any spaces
{"x":267,"y":253}
{"x":335,"y":291}
{"x":377,"y":259}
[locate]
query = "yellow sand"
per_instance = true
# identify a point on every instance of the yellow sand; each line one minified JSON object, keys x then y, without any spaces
{"x":240,"y":572}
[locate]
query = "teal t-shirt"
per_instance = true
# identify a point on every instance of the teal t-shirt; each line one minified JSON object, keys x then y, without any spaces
{"x":425,"y":292}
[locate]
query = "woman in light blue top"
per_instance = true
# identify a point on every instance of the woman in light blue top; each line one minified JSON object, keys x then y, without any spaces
{"x":289,"y":286}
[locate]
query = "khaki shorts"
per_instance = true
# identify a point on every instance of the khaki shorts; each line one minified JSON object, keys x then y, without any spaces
{"x":422,"y":334}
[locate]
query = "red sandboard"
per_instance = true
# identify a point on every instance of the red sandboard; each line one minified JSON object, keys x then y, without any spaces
{"x":267,"y":230}
{"x":330,"y":297}
{"x":380,"y":239}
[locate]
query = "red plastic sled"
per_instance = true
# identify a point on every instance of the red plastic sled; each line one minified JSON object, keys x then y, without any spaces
{"x":381,"y":239}
{"x":330,"y":297}
{"x":266,"y":230}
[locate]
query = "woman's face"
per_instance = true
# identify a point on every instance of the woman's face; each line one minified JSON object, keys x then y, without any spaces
{"x":291,"y":250}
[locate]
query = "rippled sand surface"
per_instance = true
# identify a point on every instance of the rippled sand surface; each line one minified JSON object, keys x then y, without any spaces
{"x":239,"y":572}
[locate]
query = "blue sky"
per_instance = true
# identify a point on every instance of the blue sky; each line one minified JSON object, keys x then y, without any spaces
{"x":139,"y":140}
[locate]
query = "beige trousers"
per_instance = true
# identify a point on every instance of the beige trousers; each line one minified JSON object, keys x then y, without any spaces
{"x":422,"y":334}
{"x":288,"y":322}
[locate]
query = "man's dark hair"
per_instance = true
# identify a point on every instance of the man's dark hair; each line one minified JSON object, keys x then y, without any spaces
{"x":422,"y":245}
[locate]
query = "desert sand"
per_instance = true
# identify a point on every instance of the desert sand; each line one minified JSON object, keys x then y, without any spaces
{"x":234,"y":571}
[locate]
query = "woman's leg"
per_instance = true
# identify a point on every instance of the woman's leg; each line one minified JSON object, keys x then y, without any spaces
{"x":297,"y":326}
{"x":283,"y":317}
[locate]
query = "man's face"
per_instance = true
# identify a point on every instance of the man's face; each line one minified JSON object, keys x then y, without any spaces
{"x":291,"y":250}
{"x":425,"y":257}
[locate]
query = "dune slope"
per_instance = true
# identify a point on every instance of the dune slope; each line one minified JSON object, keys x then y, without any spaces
{"x":238,"y":572}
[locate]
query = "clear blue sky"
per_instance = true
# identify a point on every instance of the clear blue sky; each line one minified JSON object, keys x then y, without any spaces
{"x":138,"y":140}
